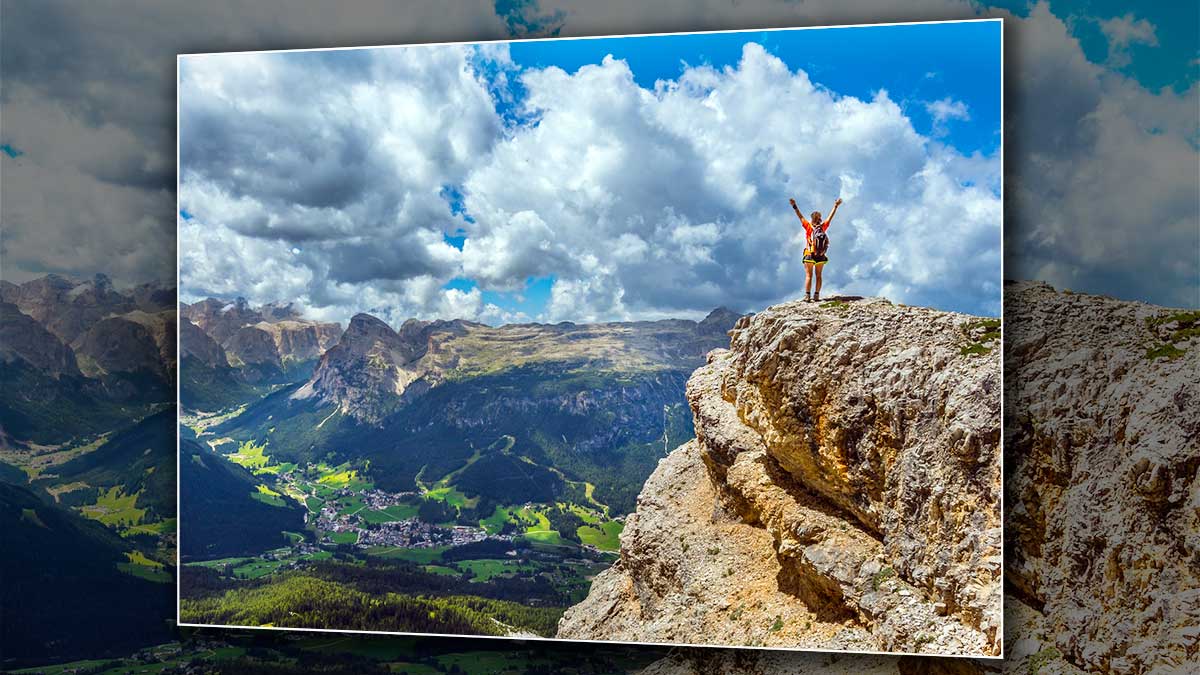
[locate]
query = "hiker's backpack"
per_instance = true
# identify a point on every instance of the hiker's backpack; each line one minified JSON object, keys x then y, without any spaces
{"x":820,"y":240}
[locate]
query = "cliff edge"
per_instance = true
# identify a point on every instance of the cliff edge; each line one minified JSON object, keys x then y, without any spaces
{"x":842,"y":492}
{"x":1103,"y":490}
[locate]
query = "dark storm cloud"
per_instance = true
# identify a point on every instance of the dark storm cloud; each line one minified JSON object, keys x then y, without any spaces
{"x":382,"y":259}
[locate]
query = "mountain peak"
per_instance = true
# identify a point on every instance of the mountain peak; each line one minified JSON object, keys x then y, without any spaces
{"x":365,"y":325}
{"x":720,"y":320}
{"x":372,"y":365}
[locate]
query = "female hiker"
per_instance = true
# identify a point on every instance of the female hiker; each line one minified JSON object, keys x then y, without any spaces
{"x":816,"y":244}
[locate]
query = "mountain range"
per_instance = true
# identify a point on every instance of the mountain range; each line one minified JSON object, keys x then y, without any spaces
{"x":599,"y":402}
{"x":107,"y":355}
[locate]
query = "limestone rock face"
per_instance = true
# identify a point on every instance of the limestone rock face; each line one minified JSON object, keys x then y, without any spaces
{"x":1103,"y":486}
{"x":195,"y":343}
{"x":1027,"y":649}
{"x":161,"y":325}
{"x":1103,"y":498}
{"x":251,"y":346}
{"x":852,"y":449}
{"x":68,"y":307}
{"x":220,"y":319}
{"x":153,"y":298}
{"x":877,"y":409}
{"x":239,"y":329}
{"x":691,"y":571}
{"x":24,"y":339}
{"x":298,"y":340}
{"x":370,"y":368}
{"x":118,"y":345}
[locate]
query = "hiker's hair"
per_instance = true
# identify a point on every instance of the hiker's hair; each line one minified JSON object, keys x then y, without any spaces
{"x":816,"y":216}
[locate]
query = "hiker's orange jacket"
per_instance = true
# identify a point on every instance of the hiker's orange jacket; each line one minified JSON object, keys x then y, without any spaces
{"x":808,"y":232}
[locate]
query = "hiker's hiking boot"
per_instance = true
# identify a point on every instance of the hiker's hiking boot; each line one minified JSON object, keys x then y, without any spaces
{"x":807,"y":297}
{"x":816,"y":296}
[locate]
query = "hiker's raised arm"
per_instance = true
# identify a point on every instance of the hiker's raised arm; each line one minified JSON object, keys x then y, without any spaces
{"x":833,"y":212}
{"x":798,"y":214}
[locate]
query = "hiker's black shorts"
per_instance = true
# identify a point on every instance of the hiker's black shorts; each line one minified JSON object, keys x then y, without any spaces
{"x":815,"y":259}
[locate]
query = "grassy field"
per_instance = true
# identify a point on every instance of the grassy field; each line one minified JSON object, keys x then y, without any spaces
{"x":545,"y":537}
{"x":266,"y":495}
{"x":586,"y":515}
{"x":251,"y":456}
{"x":141,"y":566}
{"x":347,"y":537}
{"x":606,"y":537}
{"x":40,"y":458}
{"x":338,"y":478}
{"x":160,"y":527}
{"x":390,"y":514}
{"x":496,"y":521}
{"x":276,"y":468}
{"x":485,"y":570}
{"x":532,"y":519}
{"x":537,"y":526}
{"x":423,"y":556}
{"x":253,"y":568}
{"x":450,"y":496}
{"x":115,"y":508}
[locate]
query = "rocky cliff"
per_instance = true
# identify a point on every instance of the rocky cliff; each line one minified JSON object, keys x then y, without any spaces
{"x":370,"y":368}
{"x":24,"y":339}
{"x":220,"y":319}
{"x":299,"y":340}
{"x":119,"y":345}
{"x":196,"y":344}
{"x":843,"y":492}
{"x":267,"y":339}
{"x":1102,"y":476}
{"x":233,"y":348}
{"x":109,"y":331}
{"x":1102,"y":455}
{"x":68,"y":307}
{"x":117,"y":366}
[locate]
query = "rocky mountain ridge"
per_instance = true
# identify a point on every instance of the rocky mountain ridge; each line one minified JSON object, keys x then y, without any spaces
{"x":843,"y":492}
{"x":108,"y":331}
{"x":1103,"y":476}
{"x":374,"y":368}
{"x":22,"y":338}
{"x":81,"y":355}
{"x":263,"y":342}
{"x":68,"y":307}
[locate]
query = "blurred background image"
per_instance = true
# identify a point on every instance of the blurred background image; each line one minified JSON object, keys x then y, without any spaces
{"x":1102,"y":228}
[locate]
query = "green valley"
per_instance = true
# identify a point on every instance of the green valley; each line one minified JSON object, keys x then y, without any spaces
{"x":490,"y":567}
{"x":447,"y":477}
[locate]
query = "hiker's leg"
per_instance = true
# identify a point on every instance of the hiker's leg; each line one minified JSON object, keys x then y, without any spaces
{"x":818,"y":278}
{"x":808,"y":272}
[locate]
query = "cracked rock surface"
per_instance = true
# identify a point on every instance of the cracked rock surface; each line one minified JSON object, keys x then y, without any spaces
{"x":1103,"y":515}
{"x":843,"y":492}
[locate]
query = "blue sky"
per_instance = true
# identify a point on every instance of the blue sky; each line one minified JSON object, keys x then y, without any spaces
{"x":1168,"y":61}
{"x":915,"y":63}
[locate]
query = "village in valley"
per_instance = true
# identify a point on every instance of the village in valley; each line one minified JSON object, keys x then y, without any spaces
{"x":347,"y":516}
